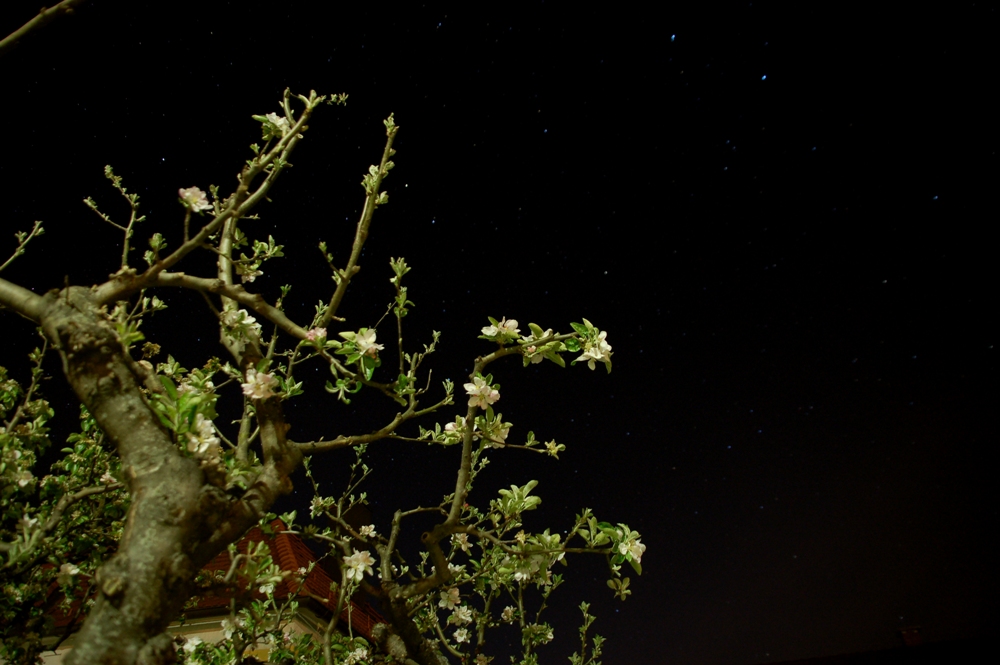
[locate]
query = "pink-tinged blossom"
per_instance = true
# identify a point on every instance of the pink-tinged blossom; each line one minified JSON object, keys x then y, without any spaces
{"x":194,"y":199}
{"x":481,"y":394}
{"x":504,"y":327}
{"x":364,"y":341}
{"x":532,"y":350}
{"x":316,"y":334}
{"x":259,"y":385}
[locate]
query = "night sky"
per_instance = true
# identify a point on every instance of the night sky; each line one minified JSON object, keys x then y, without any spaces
{"x":781,"y":217}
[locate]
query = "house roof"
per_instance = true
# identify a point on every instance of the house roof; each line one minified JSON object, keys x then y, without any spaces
{"x":290,"y":554}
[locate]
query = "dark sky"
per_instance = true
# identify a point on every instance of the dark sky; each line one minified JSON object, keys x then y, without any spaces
{"x":781,"y":217}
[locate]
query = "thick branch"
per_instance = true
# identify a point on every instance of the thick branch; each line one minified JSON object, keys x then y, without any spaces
{"x":21,"y":300}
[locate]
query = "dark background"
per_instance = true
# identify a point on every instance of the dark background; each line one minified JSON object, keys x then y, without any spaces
{"x":780,"y":216}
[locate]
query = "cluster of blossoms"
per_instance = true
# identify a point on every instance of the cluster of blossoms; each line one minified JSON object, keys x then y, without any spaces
{"x":240,"y":322}
{"x":356,"y":656}
{"x":194,"y":199}
{"x":316,"y":335}
{"x":202,"y":440}
{"x":258,"y":385}
{"x":481,"y":393}
{"x":358,"y":564}
{"x":597,"y":350}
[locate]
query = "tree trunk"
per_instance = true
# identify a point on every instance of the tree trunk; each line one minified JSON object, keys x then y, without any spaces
{"x":177,"y":521}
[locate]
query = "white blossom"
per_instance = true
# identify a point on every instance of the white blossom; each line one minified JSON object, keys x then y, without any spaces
{"x":449,"y":599}
{"x":280,"y":124}
{"x":194,"y":199}
{"x":24,"y":477}
{"x":192,"y":643}
{"x":258,"y":385}
{"x":462,"y":614}
{"x":507,"y":614}
{"x":367,"y":531}
{"x":248,"y":275}
{"x":633,"y":548}
{"x":66,"y":573}
{"x":461,"y":540}
{"x":229,"y":628}
{"x":358,"y":564}
{"x":461,"y":635}
{"x":267,"y":589}
{"x":481,"y":394}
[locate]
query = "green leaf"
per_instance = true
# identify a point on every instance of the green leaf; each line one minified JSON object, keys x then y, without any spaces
{"x":170,"y":387}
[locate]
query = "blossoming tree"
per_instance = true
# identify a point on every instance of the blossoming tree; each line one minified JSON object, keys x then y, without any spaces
{"x":155,"y":484}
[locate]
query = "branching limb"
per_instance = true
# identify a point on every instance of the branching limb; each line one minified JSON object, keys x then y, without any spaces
{"x":313,"y":447}
{"x":237,"y":206}
{"x":234,"y":292}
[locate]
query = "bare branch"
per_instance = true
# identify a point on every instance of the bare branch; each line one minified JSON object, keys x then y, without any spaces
{"x":44,"y":17}
{"x":22,"y":241}
{"x":361,"y":235}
